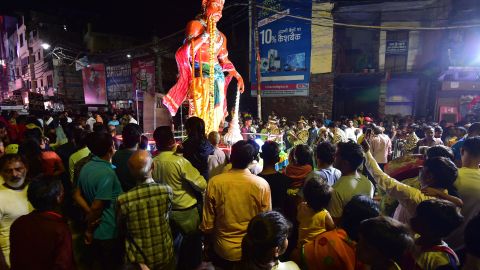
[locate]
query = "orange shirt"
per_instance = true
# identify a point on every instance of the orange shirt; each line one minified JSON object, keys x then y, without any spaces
{"x":51,"y":162}
{"x":331,"y":250}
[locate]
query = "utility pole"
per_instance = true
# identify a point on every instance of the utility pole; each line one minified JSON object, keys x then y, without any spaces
{"x":253,"y":7}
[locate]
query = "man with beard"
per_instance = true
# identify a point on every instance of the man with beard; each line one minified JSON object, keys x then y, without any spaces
{"x":13,"y":201}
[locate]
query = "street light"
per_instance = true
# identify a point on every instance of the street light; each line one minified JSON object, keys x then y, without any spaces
{"x":45,"y":46}
{"x":129,"y":56}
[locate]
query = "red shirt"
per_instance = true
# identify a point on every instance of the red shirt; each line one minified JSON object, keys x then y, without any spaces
{"x":41,"y":241}
{"x":51,"y":162}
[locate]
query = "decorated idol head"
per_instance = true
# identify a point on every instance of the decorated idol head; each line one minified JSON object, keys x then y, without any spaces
{"x":213,"y":9}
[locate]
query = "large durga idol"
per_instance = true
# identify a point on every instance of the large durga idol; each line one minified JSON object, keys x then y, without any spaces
{"x":202,"y":61}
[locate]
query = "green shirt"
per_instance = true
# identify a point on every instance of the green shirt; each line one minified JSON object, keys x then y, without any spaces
{"x":120,"y":161}
{"x":98,"y":181}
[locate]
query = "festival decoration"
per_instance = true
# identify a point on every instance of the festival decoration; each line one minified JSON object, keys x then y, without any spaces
{"x":202,"y":61}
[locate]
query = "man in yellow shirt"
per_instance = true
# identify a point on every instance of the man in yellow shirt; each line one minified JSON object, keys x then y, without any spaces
{"x":13,"y":201}
{"x":176,"y":171}
{"x":232,"y":199}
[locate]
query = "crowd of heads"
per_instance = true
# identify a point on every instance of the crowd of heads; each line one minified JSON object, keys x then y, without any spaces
{"x":378,"y":239}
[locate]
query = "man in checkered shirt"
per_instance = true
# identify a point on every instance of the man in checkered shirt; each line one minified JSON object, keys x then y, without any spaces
{"x":143,"y":217}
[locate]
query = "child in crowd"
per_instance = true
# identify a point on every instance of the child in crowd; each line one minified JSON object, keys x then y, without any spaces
{"x":300,"y":165}
{"x":265,"y":241}
{"x":433,"y":221}
{"x":383,"y":243}
{"x":312,"y":215}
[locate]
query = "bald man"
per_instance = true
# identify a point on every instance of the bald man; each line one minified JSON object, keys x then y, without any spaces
{"x":143,"y":216}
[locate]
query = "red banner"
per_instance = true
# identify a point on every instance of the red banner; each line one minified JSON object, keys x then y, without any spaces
{"x":94,"y":84}
{"x":143,"y":75}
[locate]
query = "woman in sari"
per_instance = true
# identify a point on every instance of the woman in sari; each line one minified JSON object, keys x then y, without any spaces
{"x":335,"y":250}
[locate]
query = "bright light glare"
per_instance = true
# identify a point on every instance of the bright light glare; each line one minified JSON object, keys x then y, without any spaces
{"x":45,"y":46}
{"x":129,"y":56}
{"x":259,"y":142}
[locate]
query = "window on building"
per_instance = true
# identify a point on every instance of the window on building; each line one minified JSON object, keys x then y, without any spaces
{"x":41,"y":82}
{"x":396,"y":51}
{"x":49,"y":81}
{"x":24,"y":62}
{"x":38,"y":56}
{"x":21,"y":40}
{"x":17,"y":73}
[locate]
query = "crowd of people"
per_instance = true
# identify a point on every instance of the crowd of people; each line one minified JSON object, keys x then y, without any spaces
{"x":353,"y":194}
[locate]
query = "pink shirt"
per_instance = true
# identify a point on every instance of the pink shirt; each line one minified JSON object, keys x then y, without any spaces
{"x":381,"y":147}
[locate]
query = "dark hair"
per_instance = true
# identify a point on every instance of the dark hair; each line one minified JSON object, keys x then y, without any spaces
{"x":100,"y":143}
{"x":163,"y":137}
{"x":390,"y":237}
{"x":242,"y":155}
{"x":326,"y":152}
{"x":303,"y":155}
{"x":270,"y":153}
{"x":2,"y":125}
{"x":443,"y":171}
{"x":33,"y":133}
{"x":376,"y":130}
{"x":256,"y":147}
{"x":472,"y":146}
{"x":11,"y":158}
{"x":440,"y":151}
{"x":99,"y":128}
{"x":438,"y":129}
{"x":32,"y":152}
{"x":441,"y":217}
{"x":472,"y":236}
{"x":43,"y":192}
{"x":474,"y":128}
{"x":195,"y":129}
{"x":143,"y":145}
{"x":80,"y":137}
{"x":131,"y":135}
{"x":68,"y":129}
{"x":265,"y":232}
{"x":351,"y":152}
{"x":214,"y":138}
{"x":358,"y":209}
{"x":317,"y":193}
{"x":428,"y":128}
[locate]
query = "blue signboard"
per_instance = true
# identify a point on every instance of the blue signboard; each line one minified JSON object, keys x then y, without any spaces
{"x":119,"y":82}
{"x":284,"y":33}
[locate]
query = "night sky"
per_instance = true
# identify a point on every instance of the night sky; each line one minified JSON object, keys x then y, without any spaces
{"x":137,"y":18}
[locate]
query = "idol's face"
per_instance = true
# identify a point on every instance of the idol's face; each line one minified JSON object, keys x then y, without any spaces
{"x":214,"y":10}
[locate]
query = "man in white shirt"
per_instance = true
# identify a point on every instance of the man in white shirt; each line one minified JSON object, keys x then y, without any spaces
{"x":348,"y":158}
{"x":217,"y":161}
{"x":13,"y":201}
{"x":350,"y":131}
{"x":91,"y":121}
{"x":468,"y":186}
{"x":380,"y":146}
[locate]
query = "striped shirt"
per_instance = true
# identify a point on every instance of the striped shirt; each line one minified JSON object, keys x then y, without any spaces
{"x":145,"y":212}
